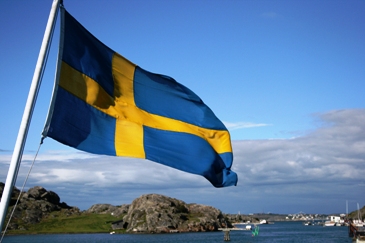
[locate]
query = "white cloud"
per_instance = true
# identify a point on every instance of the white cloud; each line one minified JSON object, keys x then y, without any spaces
{"x":312,"y":173}
{"x":61,"y":156}
{"x":239,"y":125}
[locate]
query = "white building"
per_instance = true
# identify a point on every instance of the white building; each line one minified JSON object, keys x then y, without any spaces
{"x":335,"y":219}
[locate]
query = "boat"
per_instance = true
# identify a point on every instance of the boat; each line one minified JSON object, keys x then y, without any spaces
{"x":357,"y":228}
{"x":357,"y":232}
{"x":240,"y":225}
{"x":263,"y":221}
{"x":334,"y":221}
{"x":329,"y":223}
{"x":358,"y":223}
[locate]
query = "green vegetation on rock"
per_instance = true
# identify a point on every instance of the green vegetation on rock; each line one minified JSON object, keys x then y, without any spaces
{"x":59,"y":223}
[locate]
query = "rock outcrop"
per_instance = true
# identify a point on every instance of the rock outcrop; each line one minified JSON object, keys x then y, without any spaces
{"x":34,"y":205}
{"x":153,"y":213}
{"x":108,"y":209}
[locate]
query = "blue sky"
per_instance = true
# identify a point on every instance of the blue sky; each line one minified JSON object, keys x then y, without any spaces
{"x":286,"y":77}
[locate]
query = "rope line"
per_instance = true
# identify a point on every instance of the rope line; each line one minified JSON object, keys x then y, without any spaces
{"x":21,"y":191}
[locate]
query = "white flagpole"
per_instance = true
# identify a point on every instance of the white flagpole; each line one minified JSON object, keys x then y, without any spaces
{"x":27,"y":115}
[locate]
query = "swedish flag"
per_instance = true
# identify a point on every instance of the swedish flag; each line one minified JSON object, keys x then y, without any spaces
{"x":104,"y":104}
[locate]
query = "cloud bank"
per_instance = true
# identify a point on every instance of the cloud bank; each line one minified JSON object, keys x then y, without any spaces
{"x":239,"y":125}
{"x":315,"y":173}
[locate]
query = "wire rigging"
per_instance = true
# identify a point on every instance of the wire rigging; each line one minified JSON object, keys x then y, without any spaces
{"x":21,"y":192}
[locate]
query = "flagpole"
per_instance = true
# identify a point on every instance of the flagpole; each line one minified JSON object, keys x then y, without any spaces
{"x":27,"y":115}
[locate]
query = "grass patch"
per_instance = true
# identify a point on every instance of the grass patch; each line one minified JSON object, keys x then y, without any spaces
{"x":85,"y":223}
{"x":195,"y":217}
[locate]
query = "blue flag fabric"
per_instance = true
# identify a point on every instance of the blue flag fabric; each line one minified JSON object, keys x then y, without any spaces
{"x":104,"y":104}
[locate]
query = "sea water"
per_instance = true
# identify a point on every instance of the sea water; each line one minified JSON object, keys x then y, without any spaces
{"x":273,"y":233}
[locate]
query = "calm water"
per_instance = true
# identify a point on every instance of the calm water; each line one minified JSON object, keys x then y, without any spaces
{"x":278,"y":232}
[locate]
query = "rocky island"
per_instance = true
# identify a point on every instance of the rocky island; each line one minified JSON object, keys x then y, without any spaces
{"x":150,"y":213}
{"x":40,"y":211}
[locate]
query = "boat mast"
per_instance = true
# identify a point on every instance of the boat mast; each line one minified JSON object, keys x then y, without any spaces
{"x":28,"y":111}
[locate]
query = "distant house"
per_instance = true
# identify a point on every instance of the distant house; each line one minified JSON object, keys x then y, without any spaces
{"x":335,"y":219}
{"x":118,"y":224}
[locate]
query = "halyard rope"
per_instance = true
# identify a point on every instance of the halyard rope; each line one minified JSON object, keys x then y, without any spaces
{"x":20,"y":193}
